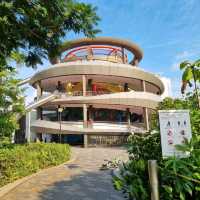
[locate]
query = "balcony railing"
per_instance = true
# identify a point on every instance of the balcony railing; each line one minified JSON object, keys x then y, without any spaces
{"x":103,"y":53}
{"x":88,"y":93}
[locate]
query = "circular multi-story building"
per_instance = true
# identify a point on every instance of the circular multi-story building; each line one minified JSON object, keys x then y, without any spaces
{"x":94,"y":93}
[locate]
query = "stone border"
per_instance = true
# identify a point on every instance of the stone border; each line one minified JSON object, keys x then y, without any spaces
{"x":11,"y":186}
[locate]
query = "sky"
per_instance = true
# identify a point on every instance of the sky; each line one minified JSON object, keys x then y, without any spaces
{"x":167,"y":31}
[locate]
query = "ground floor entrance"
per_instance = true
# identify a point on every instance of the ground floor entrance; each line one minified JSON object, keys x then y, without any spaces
{"x":87,"y":140}
{"x":72,"y":139}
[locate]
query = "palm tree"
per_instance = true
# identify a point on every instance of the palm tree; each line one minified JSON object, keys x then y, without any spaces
{"x":191,"y":72}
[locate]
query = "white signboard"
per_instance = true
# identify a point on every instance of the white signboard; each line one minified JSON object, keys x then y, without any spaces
{"x":175,"y":129}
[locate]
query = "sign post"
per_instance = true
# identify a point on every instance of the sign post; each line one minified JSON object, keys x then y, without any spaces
{"x":175,"y":129}
{"x":153,"y":179}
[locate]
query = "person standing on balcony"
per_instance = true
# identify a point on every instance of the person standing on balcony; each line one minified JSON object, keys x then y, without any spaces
{"x":126,"y":87}
{"x":69,"y":88}
{"x":59,"y":86}
{"x":94,"y":89}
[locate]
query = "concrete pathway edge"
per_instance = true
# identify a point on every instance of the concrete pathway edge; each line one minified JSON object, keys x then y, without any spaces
{"x":10,"y":186}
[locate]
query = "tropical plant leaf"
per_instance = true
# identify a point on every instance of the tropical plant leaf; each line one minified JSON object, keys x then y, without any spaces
{"x":185,"y":64}
{"x":197,"y":63}
{"x":168,"y":189}
{"x":187,"y":74}
{"x":182,"y":196}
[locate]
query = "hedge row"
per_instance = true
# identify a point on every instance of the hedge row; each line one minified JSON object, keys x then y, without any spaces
{"x":17,"y":161}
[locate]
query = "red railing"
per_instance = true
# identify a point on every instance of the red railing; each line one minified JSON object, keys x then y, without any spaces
{"x":96,"y":52}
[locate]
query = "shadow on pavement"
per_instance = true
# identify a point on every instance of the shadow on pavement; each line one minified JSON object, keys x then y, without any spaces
{"x":84,"y":186}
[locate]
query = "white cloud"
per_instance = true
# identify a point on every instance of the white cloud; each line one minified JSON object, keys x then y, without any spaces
{"x":185,"y":55}
{"x":175,"y":66}
{"x":176,"y":86}
{"x":182,"y":56}
{"x":167,"y":85}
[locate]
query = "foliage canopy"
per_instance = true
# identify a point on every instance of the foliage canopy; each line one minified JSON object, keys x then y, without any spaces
{"x":179,"y":177}
{"x":191,"y":72}
{"x":30,"y":32}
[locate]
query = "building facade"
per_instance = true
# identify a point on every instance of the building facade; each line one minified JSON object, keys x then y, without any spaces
{"x":93,"y":94}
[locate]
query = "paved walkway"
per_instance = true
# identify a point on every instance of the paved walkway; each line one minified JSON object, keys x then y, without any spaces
{"x":80,"y":180}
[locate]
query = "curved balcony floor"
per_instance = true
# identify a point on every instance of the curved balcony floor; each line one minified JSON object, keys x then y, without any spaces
{"x":43,"y":126}
{"x":139,"y":99}
{"x":97,"y":68}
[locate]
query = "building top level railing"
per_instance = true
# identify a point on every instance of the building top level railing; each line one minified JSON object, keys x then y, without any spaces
{"x":96,"y":52}
{"x":101,"y":48}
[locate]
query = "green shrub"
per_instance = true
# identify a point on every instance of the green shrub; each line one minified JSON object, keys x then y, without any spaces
{"x":188,"y":103}
{"x":17,"y":161}
{"x":133,"y":178}
{"x":179,"y":178}
{"x":144,"y":147}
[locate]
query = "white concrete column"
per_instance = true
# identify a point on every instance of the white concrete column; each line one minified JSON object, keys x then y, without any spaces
{"x":39,"y":90}
{"x":38,"y":117}
{"x":30,"y":135}
{"x":143,"y":83}
{"x":146,"y":118}
{"x":145,"y":110}
{"x":84,"y":115}
{"x":85,"y":124}
{"x":90,"y":116}
{"x":85,"y":140}
{"x":39,"y":109}
{"x":85,"y":121}
{"x":28,"y":127}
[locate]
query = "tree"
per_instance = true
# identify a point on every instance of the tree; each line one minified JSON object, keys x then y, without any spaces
{"x":33,"y":30}
{"x":11,"y":103}
{"x":191,"y":72}
{"x":189,"y":102}
{"x":179,"y":178}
